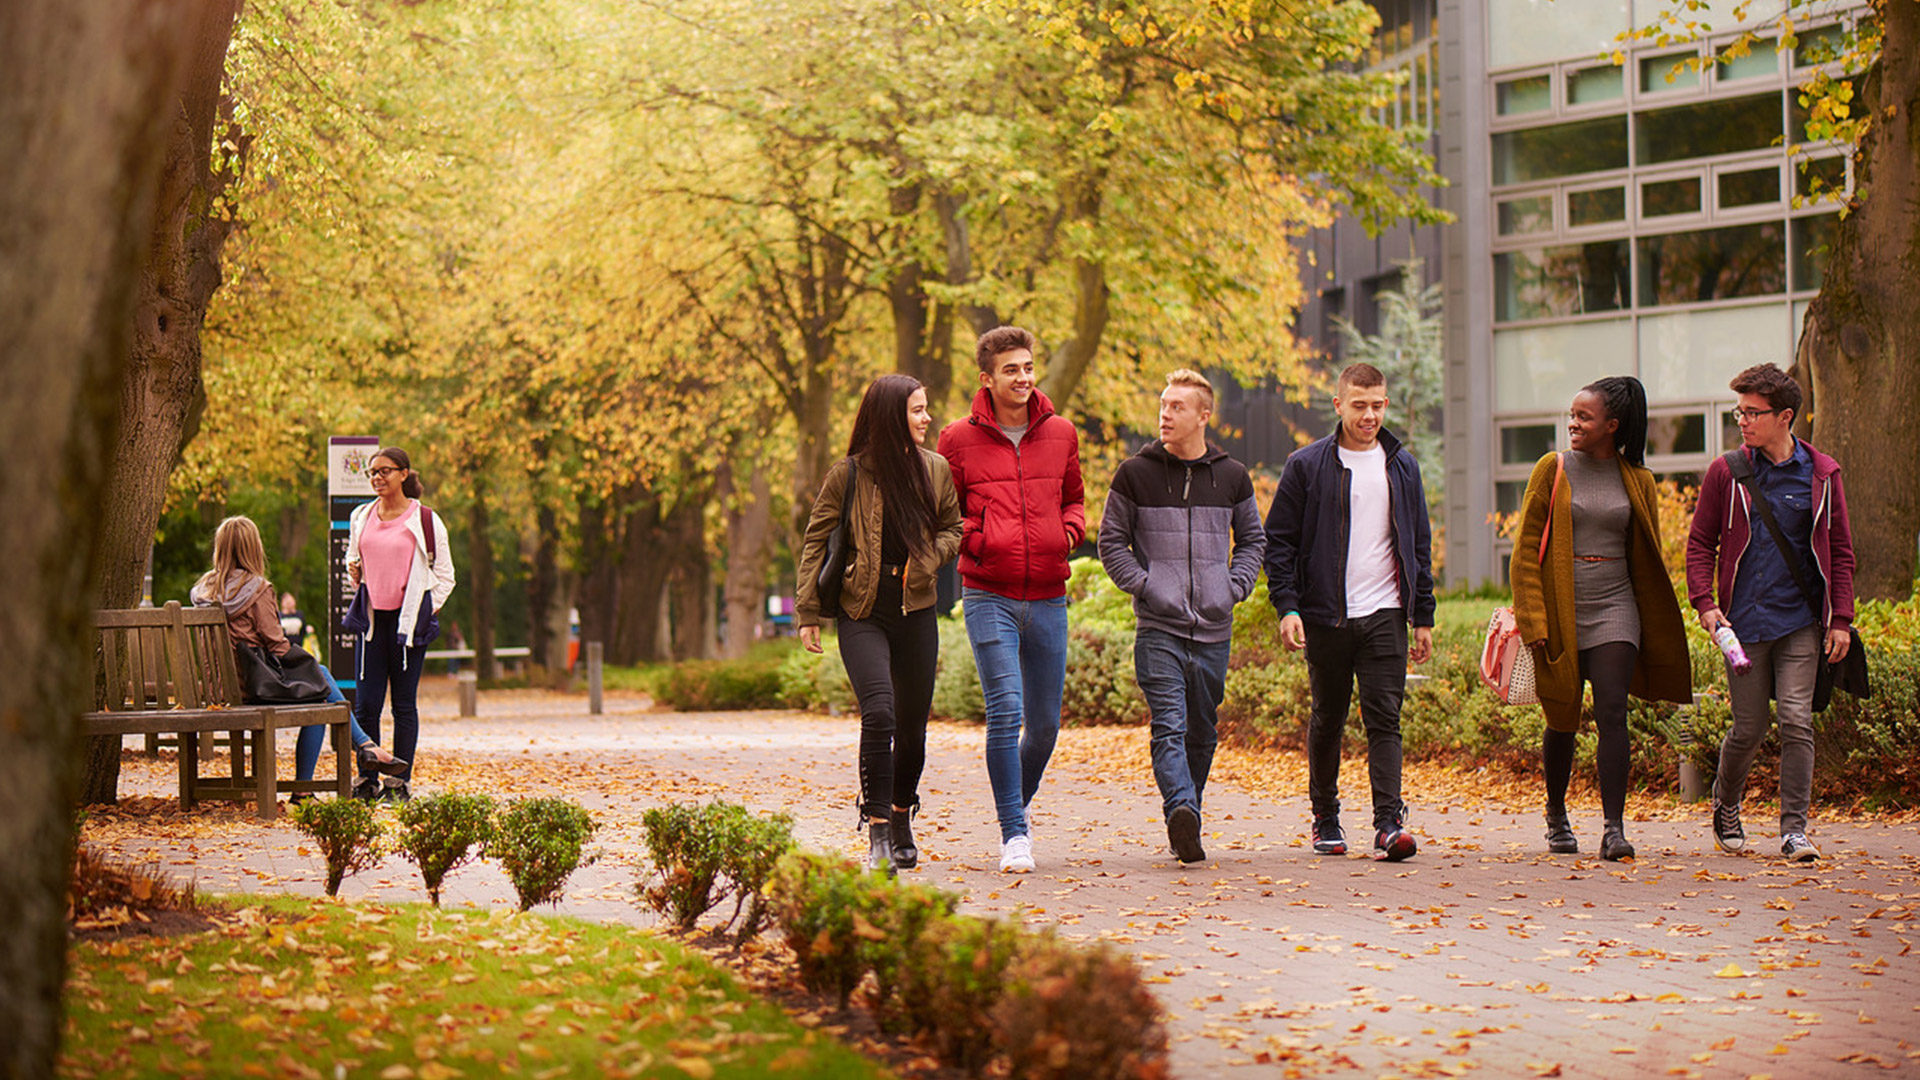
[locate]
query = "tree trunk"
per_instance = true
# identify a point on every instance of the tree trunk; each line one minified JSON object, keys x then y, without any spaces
{"x":1069,"y":363}
{"x":84,"y":93}
{"x":161,"y":393}
{"x":749,"y":554}
{"x":480,"y":573}
{"x":1859,"y":355}
{"x":641,"y":582}
{"x":547,"y":635}
{"x":690,"y":590}
{"x":598,"y":582}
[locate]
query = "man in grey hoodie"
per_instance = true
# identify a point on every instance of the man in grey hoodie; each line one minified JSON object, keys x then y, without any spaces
{"x":1181,"y":534}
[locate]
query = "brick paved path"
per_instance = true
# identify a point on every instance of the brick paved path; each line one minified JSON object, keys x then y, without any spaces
{"x":1481,"y":956}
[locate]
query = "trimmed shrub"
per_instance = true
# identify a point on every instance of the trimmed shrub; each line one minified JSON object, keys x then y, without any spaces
{"x":540,"y":843}
{"x":953,"y":979}
{"x":704,"y":854}
{"x":956,"y":682}
{"x":752,"y":847}
{"x":816,"y":900}
{"x":817,"y":682}
{"x":722,"y":685}
{"x":1100,"y":686}
{"x":900,"y":913}
{"x":1072,"y":1012}
{"x":345,"y":830}
{"x":441,"y":833}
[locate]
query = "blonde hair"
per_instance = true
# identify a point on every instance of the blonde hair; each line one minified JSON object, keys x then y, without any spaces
{"x":236,"y":546}
{"x":1190,"y":378}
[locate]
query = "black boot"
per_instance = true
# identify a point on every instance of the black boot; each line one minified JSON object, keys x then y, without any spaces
{"x":1613,"y":842}
{"x":1560,"y":838}
{"x":906,"y":855}
{"x":880,"y":846}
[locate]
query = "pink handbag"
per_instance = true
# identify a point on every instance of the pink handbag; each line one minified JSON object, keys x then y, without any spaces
{"x":1506,"y":664}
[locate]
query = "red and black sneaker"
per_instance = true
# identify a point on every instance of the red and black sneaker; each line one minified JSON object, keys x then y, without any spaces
{"x":1394,"y":843}
{"x":1327,"y":837}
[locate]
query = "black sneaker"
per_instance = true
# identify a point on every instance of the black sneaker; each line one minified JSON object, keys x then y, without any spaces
{"x":1183,"y":832}
{"x":367,"y":789}
{"x":1327,"y":837}
{"x":1393,"y":843}
{"x":393,"y":790}
{"x":1727,"y":833}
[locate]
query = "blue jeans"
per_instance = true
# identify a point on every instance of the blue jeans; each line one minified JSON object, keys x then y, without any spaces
{"x":1184,"y":682}
{"x":313,"y":737}
{"x":1020,"y":649}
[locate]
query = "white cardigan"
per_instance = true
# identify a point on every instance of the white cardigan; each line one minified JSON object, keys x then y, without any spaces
{"x":417,"y":574}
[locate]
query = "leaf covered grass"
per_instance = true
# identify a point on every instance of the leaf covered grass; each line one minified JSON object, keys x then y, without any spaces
{"x":303,"y":988}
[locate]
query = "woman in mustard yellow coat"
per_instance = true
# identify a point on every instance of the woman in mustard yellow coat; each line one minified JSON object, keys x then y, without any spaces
{"x":1599,"y":608}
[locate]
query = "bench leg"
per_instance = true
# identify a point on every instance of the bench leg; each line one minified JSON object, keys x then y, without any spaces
{"x":266,"y":768}
{"x":344,"y":758}
{"x":189,"y":767}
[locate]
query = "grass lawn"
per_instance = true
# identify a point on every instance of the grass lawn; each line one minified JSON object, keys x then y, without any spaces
{"x":298,"y":987}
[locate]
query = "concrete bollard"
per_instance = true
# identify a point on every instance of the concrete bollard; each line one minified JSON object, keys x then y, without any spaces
{"x":469,"y":682}
{"x":1692,"y":786}
{"x":594,"y":687}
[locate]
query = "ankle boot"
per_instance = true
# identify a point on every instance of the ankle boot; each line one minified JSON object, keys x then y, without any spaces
{"x":906,"y":855}
{"x":1613,"y":842}
{"x":880,"y":847}
{"x":1560,"y":838}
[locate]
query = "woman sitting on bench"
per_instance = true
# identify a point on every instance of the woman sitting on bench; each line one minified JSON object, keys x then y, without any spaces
{"x":238,"y":585}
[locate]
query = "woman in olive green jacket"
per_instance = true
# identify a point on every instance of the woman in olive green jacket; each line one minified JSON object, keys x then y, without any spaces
{"x":1599,"y":608}
{"x":904,"y":524}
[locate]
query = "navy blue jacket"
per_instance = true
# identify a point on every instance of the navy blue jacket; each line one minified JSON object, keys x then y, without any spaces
{"x":1307,"y":534}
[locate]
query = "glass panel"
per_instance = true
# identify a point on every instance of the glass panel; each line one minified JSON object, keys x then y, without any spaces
{"x":1664,"y":197}
{"x":1571,"y":280}
{"x":1596,"y":207}
{"x":1729,"y":429}
{"x":1521,"y":216}
{"x":1713,"y":264}
{"x":1526,"y":445}
{"x":1508,"y":493}
{"x":1708,"y":128}
{"x":1683,"y":434}
{"x":1749,"y":187}
{"x":1798,"y":113}
{"x":1819,"y":46}
{"x":1537,"y":31}
{"x":1763,"y":58}
{"x":1540,"y":368}
{"x":1812,"y":243}
{"x":1517,"y":96}
{"x":1667,"y":72}
{"x":1821,"y":177}
{"x":1692,"y":354}
{"x":1561,"y":150}
{"x":1590,"y":86}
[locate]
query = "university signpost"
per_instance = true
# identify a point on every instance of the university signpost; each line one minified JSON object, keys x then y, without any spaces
{"x":347,"y":488}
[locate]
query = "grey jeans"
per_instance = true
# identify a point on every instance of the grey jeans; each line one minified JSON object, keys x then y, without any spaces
{"x":1783,"y":669}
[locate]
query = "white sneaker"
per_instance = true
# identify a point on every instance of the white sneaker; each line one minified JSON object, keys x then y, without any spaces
{"x":1016,"y":855}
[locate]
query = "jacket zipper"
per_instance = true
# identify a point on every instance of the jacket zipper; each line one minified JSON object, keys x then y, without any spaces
{"x":1346,"y":527}
{"x":1193,"y":604}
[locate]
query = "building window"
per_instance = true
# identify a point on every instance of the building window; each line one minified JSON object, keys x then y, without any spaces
{"x":1543,"y":153}
{"x":1517,"y":96}
{"x":1535,"y":31}
{"x":1571,"y":280}
{"x":1689,"y":355}
{"x":1520,"y":217}
{"x":1762,"y":58}
{"x":1812,"y":243}
{"x":1540,"y":368}
{"x":1524,"y":444}
{"x":1713,"y":264}
{"x":1596,"y":206}
{"x":1595,"y":85}
{"x":1684,"y":433}
{"x":1665,"y":198}
{"x":1818,"y":46}
{"x":1707,"y":129}
{"x":1748,"y":187}
{"x":1820,"y":178}
{"x":1667,"y":72}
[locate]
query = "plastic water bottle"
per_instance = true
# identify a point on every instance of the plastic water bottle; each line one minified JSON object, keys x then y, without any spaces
{"x":1731,"y":648}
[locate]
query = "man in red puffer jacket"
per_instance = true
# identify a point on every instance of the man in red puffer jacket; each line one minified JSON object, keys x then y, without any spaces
{"x":1016,"y":465}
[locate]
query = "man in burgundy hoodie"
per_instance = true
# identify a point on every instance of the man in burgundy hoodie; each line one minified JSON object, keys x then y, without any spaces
{"x":1016,"y":465}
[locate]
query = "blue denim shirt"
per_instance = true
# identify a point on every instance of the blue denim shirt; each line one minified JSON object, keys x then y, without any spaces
{"x":1767,"y":605}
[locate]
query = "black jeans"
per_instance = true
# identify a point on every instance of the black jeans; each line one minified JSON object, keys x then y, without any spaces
{"x":384,"y":663}
{"x":1372,"y":650}
{"x":890,"y":660}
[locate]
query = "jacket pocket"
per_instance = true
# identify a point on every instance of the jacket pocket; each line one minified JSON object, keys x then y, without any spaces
{"x":1165,"y":591}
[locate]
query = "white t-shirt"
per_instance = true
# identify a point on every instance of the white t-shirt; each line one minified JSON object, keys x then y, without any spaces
{"x":1373,"y":579}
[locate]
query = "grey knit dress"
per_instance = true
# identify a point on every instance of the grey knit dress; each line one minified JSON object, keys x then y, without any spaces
{"x":1604,"y":607}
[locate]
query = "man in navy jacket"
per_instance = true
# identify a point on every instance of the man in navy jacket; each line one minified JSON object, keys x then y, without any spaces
{"x":1349,"y":567}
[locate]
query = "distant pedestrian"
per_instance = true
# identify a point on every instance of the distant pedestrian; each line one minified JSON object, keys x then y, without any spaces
{"x":903,"y":526}
{"x":1016,"y":466}
{"x":1740,"y":577}
{"x":397,"y":551}
{"x":1600,"y":608}
{"x":1181,"y":534}
{"x":1349,"y":567}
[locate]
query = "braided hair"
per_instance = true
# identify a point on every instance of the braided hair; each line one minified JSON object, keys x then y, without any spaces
{"x":1626,"y":401}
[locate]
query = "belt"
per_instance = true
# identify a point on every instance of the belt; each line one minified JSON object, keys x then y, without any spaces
{"x":1598,"y":558}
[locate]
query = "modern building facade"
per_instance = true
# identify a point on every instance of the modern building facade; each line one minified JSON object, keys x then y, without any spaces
{"x":1620,"y":208}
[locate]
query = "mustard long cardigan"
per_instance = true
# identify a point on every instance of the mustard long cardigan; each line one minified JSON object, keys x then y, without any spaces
{"x":1543,"y":604}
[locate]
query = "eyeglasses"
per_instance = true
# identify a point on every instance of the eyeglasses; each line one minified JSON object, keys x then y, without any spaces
{"x":1748,"y":416}
{"x":382,"y":471}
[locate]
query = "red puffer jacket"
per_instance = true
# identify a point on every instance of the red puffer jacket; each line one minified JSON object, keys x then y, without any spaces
{"x":1022,"y":511}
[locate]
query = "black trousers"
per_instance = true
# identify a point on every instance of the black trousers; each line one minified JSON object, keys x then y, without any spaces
{"x":890,"y":660}
{"x":1373,"y":652}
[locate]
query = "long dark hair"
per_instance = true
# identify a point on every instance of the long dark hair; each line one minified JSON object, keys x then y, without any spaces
{"x":1626,"y":401}
{"x":884,"y":444}
{"x":410,"y":487}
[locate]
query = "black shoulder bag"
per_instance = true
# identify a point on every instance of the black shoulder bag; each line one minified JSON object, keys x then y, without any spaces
{"x":1850,"y":674}
{"x":833,"y":568}
{"x":290,"y":679}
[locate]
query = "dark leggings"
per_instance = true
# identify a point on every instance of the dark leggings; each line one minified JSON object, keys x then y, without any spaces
{"x":1609,"y":670}
{"x":386,"y":664}
{"x":890,"y":660}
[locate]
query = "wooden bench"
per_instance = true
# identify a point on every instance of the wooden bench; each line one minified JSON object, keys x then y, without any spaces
{"x":171,"y":669}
